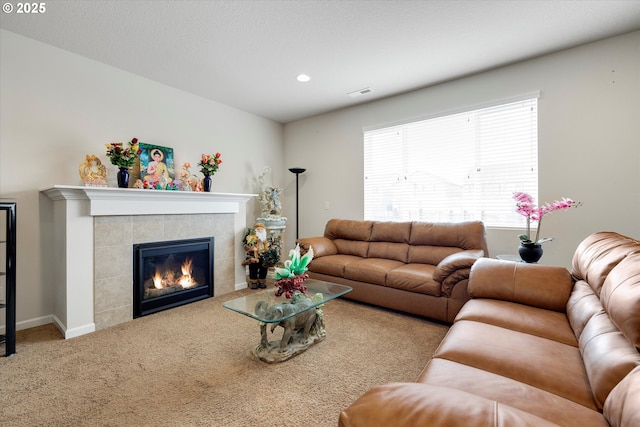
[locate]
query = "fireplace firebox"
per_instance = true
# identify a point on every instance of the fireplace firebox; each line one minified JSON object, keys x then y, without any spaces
{"x":171,"y":273}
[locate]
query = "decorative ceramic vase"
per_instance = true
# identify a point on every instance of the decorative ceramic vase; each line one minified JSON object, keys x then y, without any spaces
{"x":123,"y":178}
{"x":530,"y":252}
{"x":206,"y":183}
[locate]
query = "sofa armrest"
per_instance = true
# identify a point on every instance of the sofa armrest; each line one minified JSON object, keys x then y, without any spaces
{"x":454,"y":269}
{"x":322,"y":246}
{"x":419,"y":404}
{"x":454,"y":262}
{"x":531,"y":284}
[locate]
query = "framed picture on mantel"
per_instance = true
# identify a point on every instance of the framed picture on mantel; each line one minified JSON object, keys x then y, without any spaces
{"x":156,"y":165}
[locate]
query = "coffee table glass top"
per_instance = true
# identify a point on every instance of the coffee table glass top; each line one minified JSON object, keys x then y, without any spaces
{"x":318,"y":291}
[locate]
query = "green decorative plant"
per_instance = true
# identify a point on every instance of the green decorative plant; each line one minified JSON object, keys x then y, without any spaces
{"x":271,"y":256}
{"x":290,"y":279}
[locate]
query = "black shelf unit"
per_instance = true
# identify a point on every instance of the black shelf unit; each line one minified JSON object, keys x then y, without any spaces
{"x":9,"y":275}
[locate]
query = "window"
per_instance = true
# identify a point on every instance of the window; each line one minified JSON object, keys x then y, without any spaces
{"x":456,"y":167}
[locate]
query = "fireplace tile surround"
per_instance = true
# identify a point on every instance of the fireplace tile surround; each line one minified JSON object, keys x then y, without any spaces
{"x":114,"y":238}
{"x":94,"y":230}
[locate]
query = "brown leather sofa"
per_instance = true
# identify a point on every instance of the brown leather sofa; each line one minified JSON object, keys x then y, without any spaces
{"x":416,"y":267}
{"x":535,"y":346}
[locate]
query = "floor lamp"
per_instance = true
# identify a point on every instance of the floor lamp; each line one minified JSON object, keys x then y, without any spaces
{"x":297,"y":171}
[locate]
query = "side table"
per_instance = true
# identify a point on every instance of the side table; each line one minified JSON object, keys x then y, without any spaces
{"x":513,"y":258}
{"x":509,"y":257}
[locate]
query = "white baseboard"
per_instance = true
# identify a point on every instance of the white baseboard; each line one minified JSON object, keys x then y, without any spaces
{"x":73,"y":332}
{"x":240,"y":286}
{"x":32,"y":323}
{"x":26,"y":324}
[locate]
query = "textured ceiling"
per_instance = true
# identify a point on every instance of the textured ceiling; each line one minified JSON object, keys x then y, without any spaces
{"x":247,"y":54}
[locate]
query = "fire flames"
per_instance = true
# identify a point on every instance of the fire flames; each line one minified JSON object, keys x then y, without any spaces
{"x":164,"y":279}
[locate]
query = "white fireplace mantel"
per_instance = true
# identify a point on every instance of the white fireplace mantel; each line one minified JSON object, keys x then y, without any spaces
{"x":72,"y":260}
{"x":128,"y":201}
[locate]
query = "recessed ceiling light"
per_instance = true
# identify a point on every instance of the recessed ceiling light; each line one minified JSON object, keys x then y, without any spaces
{"x":303,"y":78}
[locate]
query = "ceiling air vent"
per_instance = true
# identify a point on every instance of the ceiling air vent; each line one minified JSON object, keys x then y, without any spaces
{"x":360,"y":92}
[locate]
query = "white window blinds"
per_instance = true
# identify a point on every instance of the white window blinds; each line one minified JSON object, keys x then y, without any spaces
{"x":457,"y":167}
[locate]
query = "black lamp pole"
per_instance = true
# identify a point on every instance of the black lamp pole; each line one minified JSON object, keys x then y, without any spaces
{"x":297,"y":171}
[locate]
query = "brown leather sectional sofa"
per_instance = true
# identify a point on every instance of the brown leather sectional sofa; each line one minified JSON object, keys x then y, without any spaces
{"x":416,"y":267}
{"x":535,"y":346}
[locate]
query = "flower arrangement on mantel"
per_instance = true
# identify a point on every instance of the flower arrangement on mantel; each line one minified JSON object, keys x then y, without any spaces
{"x":533,"y":213}
{"x":190,"y":182}
{"x":209,"y":164}
{"x":290,"y":279}
{"x":121,"y":156}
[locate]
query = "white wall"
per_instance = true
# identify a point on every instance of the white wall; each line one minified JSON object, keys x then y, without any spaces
{"x":55,"y":107}
{"x":589,"y":143}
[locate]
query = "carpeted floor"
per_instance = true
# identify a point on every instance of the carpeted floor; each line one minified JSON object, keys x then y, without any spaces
{"x":192,"y":366}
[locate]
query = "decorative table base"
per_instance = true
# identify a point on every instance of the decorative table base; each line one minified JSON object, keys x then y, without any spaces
{"x":274,"y":351}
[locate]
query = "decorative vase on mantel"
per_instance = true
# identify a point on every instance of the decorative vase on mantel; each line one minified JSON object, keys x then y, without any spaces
{"x":123,"y":178}
{"x":206,"y":183}
{"x":530,"y":252}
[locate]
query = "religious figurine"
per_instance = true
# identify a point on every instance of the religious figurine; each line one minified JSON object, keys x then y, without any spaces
{"x":270,"y":205}
{"x":93,"y":172}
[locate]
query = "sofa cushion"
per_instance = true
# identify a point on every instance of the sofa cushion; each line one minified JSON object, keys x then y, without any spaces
{"x":620,"y":297}
{"x":348,"y":229}
{"x":583,"y":304}
{"x":397,"y":232}
{"x":430,"y":254}
{"x":607,"y":355}
{"x":463,"y":235}
{"x":332,"y":265}
{"x":597,"y":254}
{"x":352,"y":247}
{"x":395,"y":251}
{"x":621,"y":407}
{"x":370,"y":270}
{"x":415,"y":278}
{"x":517,"y":394}
{"x":410,"y":404}
{"x":321,"y":246}
{"x":522,"y":318}
{"x":540,"y":362}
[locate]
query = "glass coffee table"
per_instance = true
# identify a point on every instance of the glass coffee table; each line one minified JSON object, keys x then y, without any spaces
{"x":300,"y":317}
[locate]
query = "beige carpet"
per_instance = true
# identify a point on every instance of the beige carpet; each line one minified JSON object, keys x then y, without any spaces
{"x":192,"y":366}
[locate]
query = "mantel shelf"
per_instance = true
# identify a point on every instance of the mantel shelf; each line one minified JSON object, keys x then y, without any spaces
{"x":130,"y":201}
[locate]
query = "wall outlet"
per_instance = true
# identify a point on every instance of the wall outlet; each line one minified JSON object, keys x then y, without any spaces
{"x":326,"y":206}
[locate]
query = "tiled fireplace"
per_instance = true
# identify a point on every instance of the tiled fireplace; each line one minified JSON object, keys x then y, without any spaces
{"x":92,"y":241}
{"x":115,"y":238}
{"x":171,"y":273}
